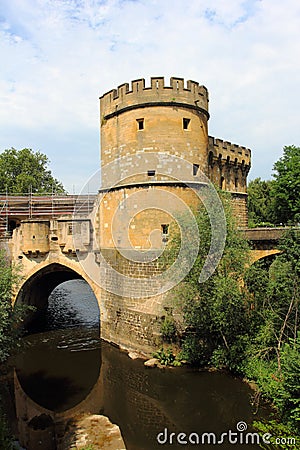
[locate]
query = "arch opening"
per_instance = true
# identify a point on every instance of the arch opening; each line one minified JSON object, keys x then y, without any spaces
{"x":57,"y":290}
{"x":61,"y":364}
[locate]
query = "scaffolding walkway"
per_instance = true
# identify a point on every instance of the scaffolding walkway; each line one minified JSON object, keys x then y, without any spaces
{"x":17,"y":207}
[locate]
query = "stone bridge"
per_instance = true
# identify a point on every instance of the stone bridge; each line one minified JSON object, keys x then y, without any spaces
{"x":54,"y":240}
{"x":51,"y":239}
{"x":263,"y":241}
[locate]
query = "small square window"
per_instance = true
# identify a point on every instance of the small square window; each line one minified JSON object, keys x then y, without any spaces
{"x":151,"y":173}
{"x":165,"y":228}
{"x":140,"y":123}
{"x":185,"y":123}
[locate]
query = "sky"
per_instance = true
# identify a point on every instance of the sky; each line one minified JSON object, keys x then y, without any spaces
{"x":59,"y":56}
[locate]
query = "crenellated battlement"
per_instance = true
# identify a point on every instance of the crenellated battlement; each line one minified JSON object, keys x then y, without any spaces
{"x":228,"y":151}
{"x":123,"y":97}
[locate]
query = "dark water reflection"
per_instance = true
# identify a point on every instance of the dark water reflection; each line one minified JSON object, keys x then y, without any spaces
{"x":62,"y":368}
{"x":59,"y":368}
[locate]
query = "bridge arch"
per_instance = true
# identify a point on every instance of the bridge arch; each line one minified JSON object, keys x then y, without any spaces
{"x":39,"y":283}
{"x":257,"y":255}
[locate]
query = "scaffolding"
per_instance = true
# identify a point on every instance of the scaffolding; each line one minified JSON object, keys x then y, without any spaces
{"x":17,"y":207}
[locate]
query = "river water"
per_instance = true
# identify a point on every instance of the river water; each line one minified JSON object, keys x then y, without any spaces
{"x":65,"y":368}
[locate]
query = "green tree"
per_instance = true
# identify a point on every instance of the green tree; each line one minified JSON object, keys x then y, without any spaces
{"x":286,"y":186}
{"x":291,"y":382}
{"x":10,"y":331}
{"x":273,"y":354}
{"x":10,"y":318}
{"x":275,"y":295}
{"x":215,"y":313}
{"x":260,"y":207}
{"x":6,"y":441}
{"x":25,"y":170}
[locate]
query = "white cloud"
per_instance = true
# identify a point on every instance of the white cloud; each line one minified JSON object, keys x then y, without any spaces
{"x":59,"y":56}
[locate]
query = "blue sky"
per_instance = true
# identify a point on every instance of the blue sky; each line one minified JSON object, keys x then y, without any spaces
{"x":59,"y":56}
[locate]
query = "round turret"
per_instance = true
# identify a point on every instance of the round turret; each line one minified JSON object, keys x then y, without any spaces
{"x":156,"y":119}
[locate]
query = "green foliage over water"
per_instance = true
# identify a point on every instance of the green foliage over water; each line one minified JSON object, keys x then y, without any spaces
{"x":10,"y":317}
{"x":244,"y":318}
{"x":215,"y":313}
{"x":10,"y":331}
{"x":6,"y":441}
{"x":166,"y":357}
{"x":280,"y":436}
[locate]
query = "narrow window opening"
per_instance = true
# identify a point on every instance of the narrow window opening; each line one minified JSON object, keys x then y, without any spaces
{"x":33,"y":237}
{"x":140,"y":123}
{"x":156,"y":84}
{"x":70,"y":229}
{"x":165,"y":228}
{"x":236,"y":181}
{"x":177,"y":84}
{"x":195,"y":169}
{"x":222,"y":182}
{"x":151,"y":173}
{"x":185,"y":123}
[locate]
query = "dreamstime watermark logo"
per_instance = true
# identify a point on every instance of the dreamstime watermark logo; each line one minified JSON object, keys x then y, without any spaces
{"x":129,"y":190}
{"x":239,"y":436}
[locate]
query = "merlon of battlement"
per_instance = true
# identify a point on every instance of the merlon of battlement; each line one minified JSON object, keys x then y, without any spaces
{"x":225,"y":148}
{"x":158,"y":91}
{"x":157,"y":84}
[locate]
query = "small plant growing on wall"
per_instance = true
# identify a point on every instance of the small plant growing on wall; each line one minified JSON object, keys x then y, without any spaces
{"x":168,"y":329}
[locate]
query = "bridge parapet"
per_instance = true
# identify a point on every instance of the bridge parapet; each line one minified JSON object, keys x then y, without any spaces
{"x":268,"y":234}
{"x":264,"y":241}
{"x":38,"y":237}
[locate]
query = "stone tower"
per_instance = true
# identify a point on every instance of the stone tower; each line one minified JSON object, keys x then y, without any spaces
{"x":169,"y":120}
{"x":159,"y":121}
{"x":156,"y":156}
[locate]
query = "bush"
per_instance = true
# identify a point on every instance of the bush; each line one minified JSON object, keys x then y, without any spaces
{"x":168,"y":329}
{"x":291,"y":383}
{"x":5,"y":436}
{"x":277,"y":430}
{"x":166,"y":357}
